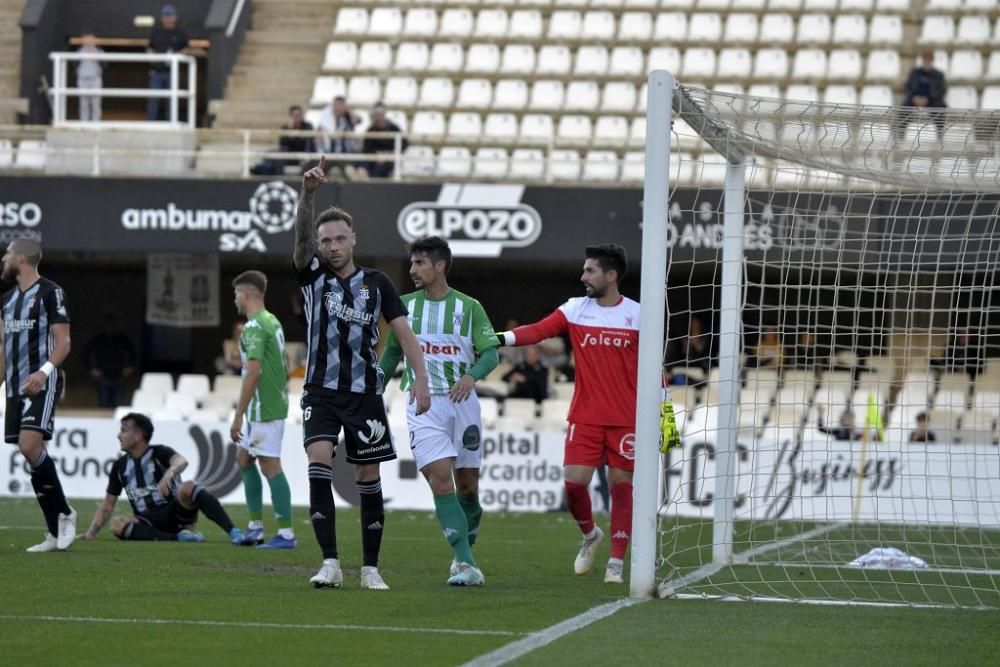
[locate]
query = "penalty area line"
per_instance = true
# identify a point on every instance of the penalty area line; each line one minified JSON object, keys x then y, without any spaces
{"x":257,"y":625}
{"x":536,"y":640}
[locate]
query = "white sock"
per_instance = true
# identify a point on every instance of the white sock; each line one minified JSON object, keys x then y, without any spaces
{"x":286,"y":533}
{"x":591,"y":534}
{"x":616,"y":561}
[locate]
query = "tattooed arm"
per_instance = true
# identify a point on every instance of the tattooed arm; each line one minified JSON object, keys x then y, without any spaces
{"x":305,"y":235}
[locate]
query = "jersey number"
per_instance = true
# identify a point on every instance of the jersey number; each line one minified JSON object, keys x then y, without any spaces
{"x":307,"y":413}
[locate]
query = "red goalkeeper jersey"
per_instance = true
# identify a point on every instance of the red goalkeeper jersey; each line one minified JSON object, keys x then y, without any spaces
{"x":606,"y":352}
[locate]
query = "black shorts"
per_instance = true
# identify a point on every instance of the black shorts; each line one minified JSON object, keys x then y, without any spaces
{"x":362,"y":416}
{"x":172,"y":518}
{"x":31,"y":413}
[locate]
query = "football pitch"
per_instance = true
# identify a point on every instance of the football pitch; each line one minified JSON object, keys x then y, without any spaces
{"x":107,"y":602}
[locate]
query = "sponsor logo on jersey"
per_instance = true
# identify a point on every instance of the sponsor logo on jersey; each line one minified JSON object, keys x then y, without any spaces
{"x":431,"y":348}
{"x":606,"y":339}
{"x":626,"y":446}
{"x":12,"y":326}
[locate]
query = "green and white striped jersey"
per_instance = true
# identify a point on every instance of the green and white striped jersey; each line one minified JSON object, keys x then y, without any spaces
{"x":263,"y":340}
{"x":452,"y":331}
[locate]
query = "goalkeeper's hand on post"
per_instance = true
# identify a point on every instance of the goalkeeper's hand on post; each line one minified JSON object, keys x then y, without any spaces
{"x":669,"y":437}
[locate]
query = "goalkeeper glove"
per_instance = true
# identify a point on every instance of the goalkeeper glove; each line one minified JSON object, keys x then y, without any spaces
{"x":669,"y":437}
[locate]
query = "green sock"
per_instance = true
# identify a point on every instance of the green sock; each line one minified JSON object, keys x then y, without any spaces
{"x":281,"y":498}
{"x":456,"y":528}
{"x":254,"y":492}
{"x":473,"y":515}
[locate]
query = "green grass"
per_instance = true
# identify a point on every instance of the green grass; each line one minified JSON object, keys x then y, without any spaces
{"x":527,"y":561}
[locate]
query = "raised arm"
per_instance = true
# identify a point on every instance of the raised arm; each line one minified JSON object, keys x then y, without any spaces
{"x":305,"y":235}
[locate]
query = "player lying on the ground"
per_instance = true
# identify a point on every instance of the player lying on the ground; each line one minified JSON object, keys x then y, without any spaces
{"x":459,"y":348}
{"x":165,"y":507}
{"x":604,"y":329}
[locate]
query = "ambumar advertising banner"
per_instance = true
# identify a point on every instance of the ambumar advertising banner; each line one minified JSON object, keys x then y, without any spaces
{"x":510,"y":221}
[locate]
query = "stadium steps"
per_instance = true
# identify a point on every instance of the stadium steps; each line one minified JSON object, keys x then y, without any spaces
{"x":279,"y":56}
{"x":10,"y":61}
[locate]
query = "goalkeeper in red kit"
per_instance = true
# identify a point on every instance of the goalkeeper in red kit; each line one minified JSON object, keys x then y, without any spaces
{"x":604,"y":330}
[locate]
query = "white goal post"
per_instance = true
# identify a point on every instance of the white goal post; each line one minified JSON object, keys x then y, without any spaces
{"x":820,"y":283}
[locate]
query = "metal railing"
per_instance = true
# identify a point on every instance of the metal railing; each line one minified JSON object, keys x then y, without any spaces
{"x":61,"y":91}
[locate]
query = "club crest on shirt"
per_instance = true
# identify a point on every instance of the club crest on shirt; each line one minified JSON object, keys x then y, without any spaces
{"x":457,"y":320}
{"x":363,"y":292}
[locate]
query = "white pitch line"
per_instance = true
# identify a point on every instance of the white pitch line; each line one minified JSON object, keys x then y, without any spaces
{"x":670,"y":588}
{"x":22,"y":527}
{"x":536,"y":640}
{"x":255,"y":624}
{"x":825,"y":603}
{"x":896,"y":570}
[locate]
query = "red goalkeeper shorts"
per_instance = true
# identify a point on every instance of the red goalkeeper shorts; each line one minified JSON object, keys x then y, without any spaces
{"x":593,"y":446}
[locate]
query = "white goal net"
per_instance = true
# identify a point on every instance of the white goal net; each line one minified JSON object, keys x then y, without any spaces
{"x":836,"y":378}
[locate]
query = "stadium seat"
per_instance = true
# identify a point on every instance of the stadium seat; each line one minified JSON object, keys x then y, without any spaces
{"x":626,"y":61}
{"x":634,"y":167}
{"x":777,"y":29}
{"x":670,"y":27}
{"x":446,"y":57}
{"x":934,"y":6}
{"x":179,"y":404}
{"x":885,"y":30}
{"x":490,"y":411}
{"x":711,"y":169}
{"x":980,"y":5}
{"x":635,"y":26}
{"x":844,"y":65}
{"x":574,"y":129}
{"x":993,"y":67}
{"x":490,"y":163}
{"x":618,"y":96}
{"x":385,"y":22}
{"x":863,"y":6}
{"x":428,"y":125}
{"x":962,"y":97}
{"x":735,"y":63}
{"x":850,"y":29}
{"x":454,"y":162}
{"x":883,"y":65}
{"x":412,"y":57}
{"x":582,"y":96}
{"x":490,"y":24}
{"x":802,"y":92}
{"x":482,"y":58}
{"x":517,"y":59}
{"x":553,"y":59}
{"x":157,"y":383}
{"x":401,"y":91}
{"x":565,"y":25}
{"x":598,"y":26}
{"x":195,"y":385}
{"x":464,"y":126}
{"x":474,"y":94}
{"x":637,"y":132}
{"x":364,"y":91}
{"x":813,"y":29}
{"x":455,"y":23}
{"x":739,"y":5}
{"x":965,"y":66}
{"x":418,"y":161}
{"x":704,"y":27}
{"x":325,"y":88}
{"x":611,"y":130}
{"x":510,"y":94}
{"x":698,"y":63}
{"x":340,"y":56}
{"x":765,"y":90}
{"x":898,"y":6}
{"x":527,"y":163}
{"x":937,"y":30}
{"x":546,"y":95}
{"x":375,"y":56}
{"x":536,"y":129}
{"x":664,"y":57}
{"x":784,"y":5}
{"x":227,"y":385}
{"x":500,"y":127}
{"x":591,"y":61}
{"x":420,"y":22}
{"x":840,"y":95}
{"x":525,"y":24}
{"x":741,"y":29}
{"x":436,"y":92}
{"x":6,"y":153}
{"x":770,"y":64}
{"x":351,"y":21}
{"x":729,"y":88}
{"x":600,"y":166}
{"x":564,"y":165}
{"x":878,"y":96}
{"x":990,"y":98}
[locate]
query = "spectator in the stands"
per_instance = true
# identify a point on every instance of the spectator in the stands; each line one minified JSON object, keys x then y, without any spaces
{"x":920,"y":432}
{"x":110,"y":358}
{"x":691,"y":351}
{"x":165,"y":38}
{"x":925,"y":89}
{"x":530,"y":378}
{"x":290,"y":144}
{"x":90,"y":76}
{"x":809,"y":354}
{"x":382,"y":145}
{"x":965,"y":353}
{"x":844,"y":430}
{"x":770,"y":353}
{"x":336,"y":125}
{"x":231,"y":363}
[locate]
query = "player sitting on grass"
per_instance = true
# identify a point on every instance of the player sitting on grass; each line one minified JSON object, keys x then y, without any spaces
{"x":459,"y":348}
{"x":165,"y":508}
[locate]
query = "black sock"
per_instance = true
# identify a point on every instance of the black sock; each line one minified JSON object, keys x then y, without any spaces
{"x":48,"y":491}
{"x":322,"y":509}
{"x":140,"y":531}
{"x":372,"y":520}
{"x":210,"y":506}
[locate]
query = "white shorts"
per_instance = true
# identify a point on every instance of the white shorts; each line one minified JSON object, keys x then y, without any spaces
{"x":263,"y":438}
{"x":448,"y":429}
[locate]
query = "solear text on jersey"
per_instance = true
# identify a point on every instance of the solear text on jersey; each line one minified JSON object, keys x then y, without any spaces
{"x":477,"y":220}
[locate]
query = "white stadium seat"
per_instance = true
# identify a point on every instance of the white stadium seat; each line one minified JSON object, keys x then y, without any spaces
{"x":625,"y":61}
{"x":885,"y":30}
{"x":883,"y":65}
{"x":698,"y":62}
{"x":840,"y":95}
{"x":898,"y":6}
{"x":937,"y":30}
{"x":574,"y":129}
{"x":500,"y":127}
{"x":813,"y":29}
{"x":634,"y":167}
{"x":418,"y":161}
{"x":227,"y":385}
{"x":598,"y":27}
{"x":993,"y":68}
{"x":553,"y":59}
{"x":401,"y":91}
{"x":582,"y":96}
{"x":635,"y":26}
{"x":770,"y":64}
{"x":536,"y":128}
{"x":965,"y":66}
{"x":455,"y":23}
{"x":565,"y":24}
{"x":784,"y":5}
{"x":428,"y":125}
{"x":340,"y":56}
{"x":877,"y":96}
{"x":482,"y":58}
{"x":325,"y":88}
{"x":611,"y":130}
{"x":474,"y":94}
{"x":490,"y":163}
{"x":364,"y":91}
{"x":525,"y":24}
{"x":741,"y":29}
{"x":704,"y":27}
{"x":600,"y":166}
{"x":454,"y":162}
{"x":375,"y":56}
{"x":858,"y":5}
{"x":844,"y":65}
{"x":420,"y":22}
{"x":591,"y":61}
{"x":618,"y":96}
{"x":664,"y":57}
{"x":464,"y":126}
{"x":739,"y":5}
{"x":517,"y":59}
{"x":158,"y":383}
{"x":196,"y":385}
{"x":735,"y":63}
{"x":527,"y":163}
{"x":6,"y":155}
{"x":547,"y":95}
{"x":180,"y":405}
{"x":670,"y":27}
{"x":385,"y":21}
{"x":802,"y":92}
{"x":510,"y":94}
{"x":637,"y":132}
{"x":564,"y":165}
{"x":412,"y":57}
{"x":491,"y":23}
{"x":962,"y":97}
{"x":777,"y":29}
{"x":147,"y":400}
{"x":436,"y":92}
{"x":850,"y":29}
{"x":828,"y":6}
{"x":351,"y":21}
{"x":446,"y":57}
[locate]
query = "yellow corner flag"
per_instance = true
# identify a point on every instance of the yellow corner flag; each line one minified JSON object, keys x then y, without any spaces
{"x":874,"y":420}
{"x":669,"y":437}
